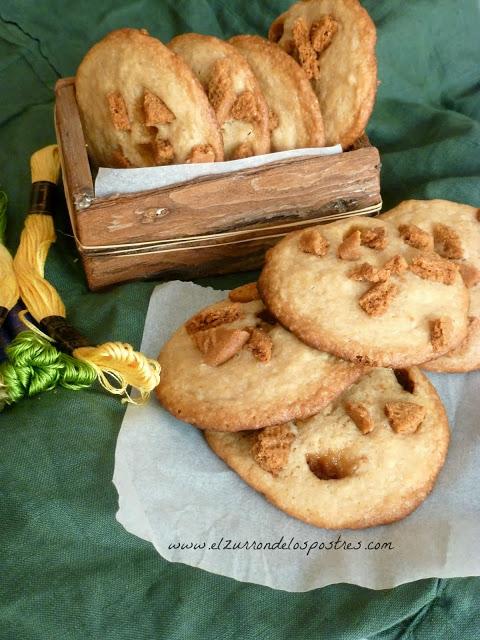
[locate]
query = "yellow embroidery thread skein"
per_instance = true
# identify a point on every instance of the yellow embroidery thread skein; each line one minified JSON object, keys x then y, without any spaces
{"x":117,"y":364}
{"x":9,"y":293}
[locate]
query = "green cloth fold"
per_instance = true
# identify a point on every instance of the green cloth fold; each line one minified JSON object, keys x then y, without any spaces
{"x":68,"y":570}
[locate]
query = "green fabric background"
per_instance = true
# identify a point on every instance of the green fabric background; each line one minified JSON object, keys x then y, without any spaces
{"x":67,"y":569}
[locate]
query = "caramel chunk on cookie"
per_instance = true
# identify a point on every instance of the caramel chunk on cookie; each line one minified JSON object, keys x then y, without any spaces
{"x":271,"y":448}
{"x":201,"y":153}
{"x":374,"y":238}
{"x":396,"y":265}
{"x":469,"y":273}
{"x":432,"y":267}
{"x":163,"y":152}
{"x":245,"y":293}
{"x":447,"y":242}
{"x":305,"y":53}
{"x":156,"y":111}
{"x":260,"y":344}
{"x":322,"y":32}
{"x":118,"y":111}
{"x":404,"y":417}
{"x":220,"y":344}
{"x":416,"y":237}
{"x":245,"y":107}
{"x":349,"y":249}
{"x":209,"y":318}
{"x":368,"y":273}
{"x":359,"y":413}
{"x":441,"y":330}
{"x":220,"y":90}
{"x":377,"y":299}
{"x":312,"y":241}
{"x":244,"y":150}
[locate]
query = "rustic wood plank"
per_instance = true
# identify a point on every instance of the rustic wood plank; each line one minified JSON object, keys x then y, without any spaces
{"x":105,"y":271}
{"x":77,"y":177}
{"x":287,"y":190}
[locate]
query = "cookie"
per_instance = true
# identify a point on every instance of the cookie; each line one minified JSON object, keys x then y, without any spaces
{"x":453,"y":230}
{"x":233,"y":367}
{"x":233,"y":91}
{"x":294,"y":112}
{"x":356,"y":289}
{"x":334,"y":42}
{"x":370,"y":458}
{"x":141,"y":106}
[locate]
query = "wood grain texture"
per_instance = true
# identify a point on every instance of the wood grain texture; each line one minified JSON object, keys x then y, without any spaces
{"x":106,"y":270}
{"x":284,"y":191}
{"x":77,"y":176}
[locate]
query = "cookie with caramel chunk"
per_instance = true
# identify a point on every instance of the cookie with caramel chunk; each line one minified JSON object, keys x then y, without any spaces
{"x":452,"y":230}
{"x":233,"y":91}
{"x":334,"y":42}
{"x":141,"y":106}
{"x":233,"y":367}
{"x":365,"y":294}
{"x":369,"y":458}
{"x":295,"y":118}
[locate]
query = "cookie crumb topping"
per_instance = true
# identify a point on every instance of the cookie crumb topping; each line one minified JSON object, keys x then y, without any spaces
{"x":209,"y":318}
{"x":447,"y":242}
{"x":322,"y":32}
{"x":220,"y":344}
{"x":271,"y":447}
{"x":431,"y":266}
{"x":396,"y":265}
{"x":244,"y":150}
{"x":312,"y":241}
{"x":369,"y":273}
{"x":118,"y":111}
{"x":416,"y":237}
{"x":440,"y":333}
{"x":155,"y":110}
{"x":375,"y":238}
{"x":245,"y":293}
{"x":404,"y":417}
{"x":220,"y":90}
{"x":377,"y":299}
{"x":349,"y":249}
{"x":163,"y":152}
{"x":469,"y":273}
{"x":260,"y":344}
{"x":306,"y":54}
{"x":245,"y":107}
{"x":201,"y":153}
{"x":359,"y":413}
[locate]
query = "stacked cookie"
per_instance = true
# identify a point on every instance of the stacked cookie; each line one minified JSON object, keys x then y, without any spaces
{"x":306,"y":385}
{"x":200,"y":99}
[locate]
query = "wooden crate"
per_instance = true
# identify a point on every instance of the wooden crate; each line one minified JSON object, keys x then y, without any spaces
{"x":210,"y":225}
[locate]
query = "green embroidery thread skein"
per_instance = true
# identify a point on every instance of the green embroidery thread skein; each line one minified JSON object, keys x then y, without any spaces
{"x":33,"y":363}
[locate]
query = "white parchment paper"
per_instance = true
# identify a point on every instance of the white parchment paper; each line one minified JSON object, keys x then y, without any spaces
{"x":173,"y":490}
{"x":110,"y":182}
